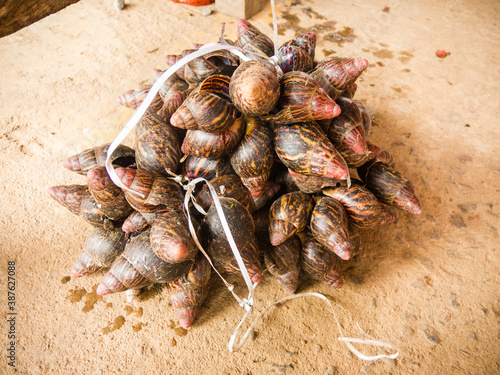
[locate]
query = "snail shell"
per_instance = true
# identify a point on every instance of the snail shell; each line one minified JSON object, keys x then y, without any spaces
{"x":229,"y":186}
{"x":157,"y":146}
{"x":138,"y":266}
{"x":289,"y":214}
{"x":320,"y":263}
{"x":283,"y":262}
{"x":109,"y":198}
{"x":171,"y":239}
{"x":390,"y":187}
{"x":254,"y":88}
{"x":159,"y":193}
{"x":252,"y":40}
{"x":242,"y":228}
{"x":329,"y":225}
{"x":100,"y":250}
{"x":91,"y":158}
{"x":190,"y":291}
{"x":213,"y":145}
{"x":305,"y":149}
{"x":303,"y":100}
{"x":253,"y":158}
{"x":362,"y":207}
{"x":207,"y":168}
{"x":79,"y":201}
{"x":335,"y":74}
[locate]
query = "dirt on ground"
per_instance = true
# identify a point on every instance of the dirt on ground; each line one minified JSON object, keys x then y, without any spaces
{"x":428,"y":285}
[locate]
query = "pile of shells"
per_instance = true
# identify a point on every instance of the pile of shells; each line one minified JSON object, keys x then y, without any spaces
{"x":285,"y":146}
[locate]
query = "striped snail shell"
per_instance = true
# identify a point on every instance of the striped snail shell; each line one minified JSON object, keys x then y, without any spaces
{"x":252,"y":40}
{"x":254,"y":88}
{"x":79,"y":201}
{"x":94,"y":157}
{"x":229,"y":186}
{"x":305,"y":149}
{"x":335,"y":74}
{"x":329,"y":225}
{"x":253,"y":158}
{"x":289,"y":214}
{"x":302,"y":100}
{"x":320,"y":263}
{"x":213,"y":145}
{"x":190,"y":291}
{"x":159,"y":193}
{"x":138,"y":266}
{"x":100,"y":250}
{"x":242,"y":228}
{"x":283,"y":262}
{"x":109,"y":198}
{"x":389,"y":186}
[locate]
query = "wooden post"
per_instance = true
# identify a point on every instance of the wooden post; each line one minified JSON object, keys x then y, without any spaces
{"x":240,"y":8}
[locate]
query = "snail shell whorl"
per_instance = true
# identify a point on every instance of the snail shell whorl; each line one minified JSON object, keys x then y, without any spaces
{"x":254,"y":88}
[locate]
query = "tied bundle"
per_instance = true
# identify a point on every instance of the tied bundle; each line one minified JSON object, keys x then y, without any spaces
{"x":283,"y":143}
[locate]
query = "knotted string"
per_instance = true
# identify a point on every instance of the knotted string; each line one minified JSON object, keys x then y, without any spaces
{"x":247,"y":303}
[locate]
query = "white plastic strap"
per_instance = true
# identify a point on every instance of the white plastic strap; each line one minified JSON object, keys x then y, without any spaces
{"x":248,"y":302}
{"x":346,"y":340}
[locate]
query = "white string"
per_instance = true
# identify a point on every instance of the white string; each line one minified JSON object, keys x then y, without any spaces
{"x":245,"y":303}
{"x":345,"y":340}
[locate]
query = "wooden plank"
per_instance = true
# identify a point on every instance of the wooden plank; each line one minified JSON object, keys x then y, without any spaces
{"x":16,"y":14}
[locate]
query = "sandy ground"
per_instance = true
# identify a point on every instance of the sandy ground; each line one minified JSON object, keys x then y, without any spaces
{"x":428,"y":284}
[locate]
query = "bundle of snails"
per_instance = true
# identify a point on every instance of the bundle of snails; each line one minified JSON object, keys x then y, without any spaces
{"x":280,"y":143}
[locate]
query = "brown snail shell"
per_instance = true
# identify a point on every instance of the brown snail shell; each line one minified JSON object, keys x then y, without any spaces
{"x":100,"y":250}
{"x":320,"y":263}
{"x":157,"y":146}
{"x":305,"y":149}
{"x":254,"y":88}
{"x":134,"y":98}
{"x":329,"y":225}
{"x":252,"y":40}
{"x":362,"y":207}
{"x":171,"y":85}
{"x":242,"y":228}
{"x":207,"y":168}
{"x":347,"y":133}
{"x":253,"y":158}
{"x":91,"y":158}
{"x":79,"y":201}
{"x":213,"y":145}
{"x":311,"y":184}
{"x":138,"y":222}
{"x":302,"y":100}
{"x":171,"y":105}
{"x":289,"y":214}
{"x":190,"y":291}
{"x":390,"y":187}
{"x":298,"y":53}
{"x":207,"y":108}
{"x":335,"y":74}
{"x":171,"y":239}
{"x":229,"y":186}
{"x":379,"y":154}
{"x":109,"y":198}
{"x":283,"y":262}
{"x":159,"y":193}
{"x":366,"y":117}
{"x":138,"y":266}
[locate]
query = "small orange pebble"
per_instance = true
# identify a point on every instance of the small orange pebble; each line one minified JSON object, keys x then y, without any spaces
{"x":442,"y":53}
{"x":194,"y":2}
